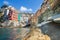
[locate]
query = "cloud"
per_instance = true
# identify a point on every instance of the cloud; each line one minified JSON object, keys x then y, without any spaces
{"x":24,"y":9}
{"x":30,"y":9}
{"x":5,"y":2}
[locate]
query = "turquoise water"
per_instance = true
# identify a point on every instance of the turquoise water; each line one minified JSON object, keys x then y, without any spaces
{"x":4,"y":33}
{"x":8,"y":33}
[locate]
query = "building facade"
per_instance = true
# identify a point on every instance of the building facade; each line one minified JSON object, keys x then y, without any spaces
{"x":23,"y":18}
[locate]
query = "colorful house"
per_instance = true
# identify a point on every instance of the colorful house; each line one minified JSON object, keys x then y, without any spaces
{"x":13,"y":14}
{"x":19,"y":16}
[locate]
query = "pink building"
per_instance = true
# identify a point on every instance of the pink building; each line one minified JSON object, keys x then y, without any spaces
{"x":13,"y":14}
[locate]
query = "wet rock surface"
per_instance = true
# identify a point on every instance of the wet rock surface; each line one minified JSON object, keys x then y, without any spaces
{"x":52,"y":29}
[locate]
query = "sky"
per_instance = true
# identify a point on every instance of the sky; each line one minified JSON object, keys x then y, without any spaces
{"x":23,"y":5}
